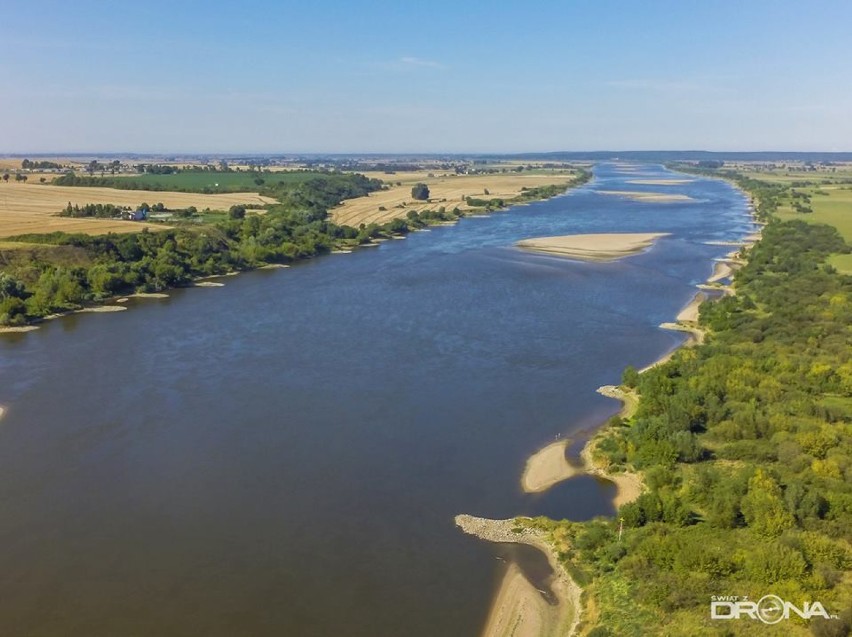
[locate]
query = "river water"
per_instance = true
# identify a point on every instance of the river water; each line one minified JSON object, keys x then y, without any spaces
{"x":285,"y":455}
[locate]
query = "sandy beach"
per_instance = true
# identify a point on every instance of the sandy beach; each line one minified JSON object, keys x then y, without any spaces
{"x":628,"y":485}
{"x":721,"y":270}
{"x":519,"y":609}
{"x":689,"y":314}
{"x":547,"y":467}
{"x":99,"y":309}
{"x":593,"y":247}
{"x":650,"y":197}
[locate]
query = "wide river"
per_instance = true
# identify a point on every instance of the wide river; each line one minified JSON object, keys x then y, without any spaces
{"x":285,"y":455}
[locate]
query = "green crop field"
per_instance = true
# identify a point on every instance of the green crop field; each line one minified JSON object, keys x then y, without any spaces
{"x":831,"y":205}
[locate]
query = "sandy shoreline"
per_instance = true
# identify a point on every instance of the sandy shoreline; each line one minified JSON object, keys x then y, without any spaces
{"x":515,"y":603}
{"x":721,"y":270}
{"x":547,"y":467}
{"x":651,"y":197}
{"x":593,"y":247}
{"x":519,"y":610}
{"x":17,"y":329}
{"x":689,"y":314}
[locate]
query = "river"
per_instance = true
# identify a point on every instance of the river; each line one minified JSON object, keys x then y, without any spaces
{"x":285,"y":455}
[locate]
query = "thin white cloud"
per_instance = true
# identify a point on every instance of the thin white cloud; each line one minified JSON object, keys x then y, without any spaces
{"x":415,"y":61}
{"x":644,"y":84}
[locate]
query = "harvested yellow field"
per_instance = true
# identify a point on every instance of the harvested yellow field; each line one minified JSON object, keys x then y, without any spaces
{"x":32,"y":207}
{"x":448,"y":191}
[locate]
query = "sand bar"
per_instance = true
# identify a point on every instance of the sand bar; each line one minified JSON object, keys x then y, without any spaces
{"x":149,"y":295}
{"x":547,"y":467}
{"x":660,"y":182}
{"x":721,"y":270}
{"x":593,"y":247}
{"x":628,"y":485}
{"x":2,"y":412}
{"x":689,"y":314}
{"x":13,"y":329}
{"x":651,"y":197}
{"x":101,"y":309}
{"x":519,"y":609}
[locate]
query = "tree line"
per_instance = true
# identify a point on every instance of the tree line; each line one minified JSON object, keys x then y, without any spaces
{"x":745,"y":446}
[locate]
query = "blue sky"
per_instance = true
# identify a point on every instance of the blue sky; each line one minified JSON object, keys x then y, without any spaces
{"x":439,"y":76}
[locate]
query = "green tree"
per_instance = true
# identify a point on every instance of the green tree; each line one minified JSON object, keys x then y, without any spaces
{"x":420,"y":192}
{"x":763,"y":506}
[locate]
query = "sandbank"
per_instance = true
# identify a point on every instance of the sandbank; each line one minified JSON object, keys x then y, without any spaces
{"x":593,"y":247}
{"x":2,"y":412}
{"x":149,"y":295}
{"x":101,"y":309}
{"x":547,"y":467}
{"x":208,"y":284}
{"x":628,"y":485}
{"x":651,"y":197}
{"x":725,"y":243}
{"x":689,"y":314}
{"x":721,"y":270}
{"x":660,"y":182}
{"x":12,"y":329}
{"x":519,"y":609}
{"x":696,"y":332}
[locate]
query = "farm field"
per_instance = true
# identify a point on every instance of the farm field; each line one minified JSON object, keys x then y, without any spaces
{"x":211,"y":182}
{"x":447,"y":191}
{"x":831,"y":203}
{"x":30,"y":208}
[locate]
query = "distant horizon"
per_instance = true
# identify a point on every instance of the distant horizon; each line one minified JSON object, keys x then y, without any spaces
{"x":508,"y":154}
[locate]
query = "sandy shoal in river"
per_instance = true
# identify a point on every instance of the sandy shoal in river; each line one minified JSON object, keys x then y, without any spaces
{"x":519,"y":609}
{"x":660,"y":182}
{"x":651,"y":197}
{"x":593,"y":247}
{"x":547,"y":467}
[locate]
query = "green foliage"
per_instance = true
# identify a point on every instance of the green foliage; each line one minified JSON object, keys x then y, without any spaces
{"x":746,"y":447}
{"x":151,"y":261}
{"x":420,"y":192}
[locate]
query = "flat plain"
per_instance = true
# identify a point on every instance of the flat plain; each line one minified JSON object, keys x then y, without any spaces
{"x":29,"y":207}
{"x":445,"y":190}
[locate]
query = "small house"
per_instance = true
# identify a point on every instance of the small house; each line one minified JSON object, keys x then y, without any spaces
{"x":135,"y":215}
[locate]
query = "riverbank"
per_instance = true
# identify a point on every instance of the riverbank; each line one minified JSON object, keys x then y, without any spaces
{"x":549,"y":466}
{"x":519,"y":609}
{"x":398,"y":228}
{"x":593,"y":247}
